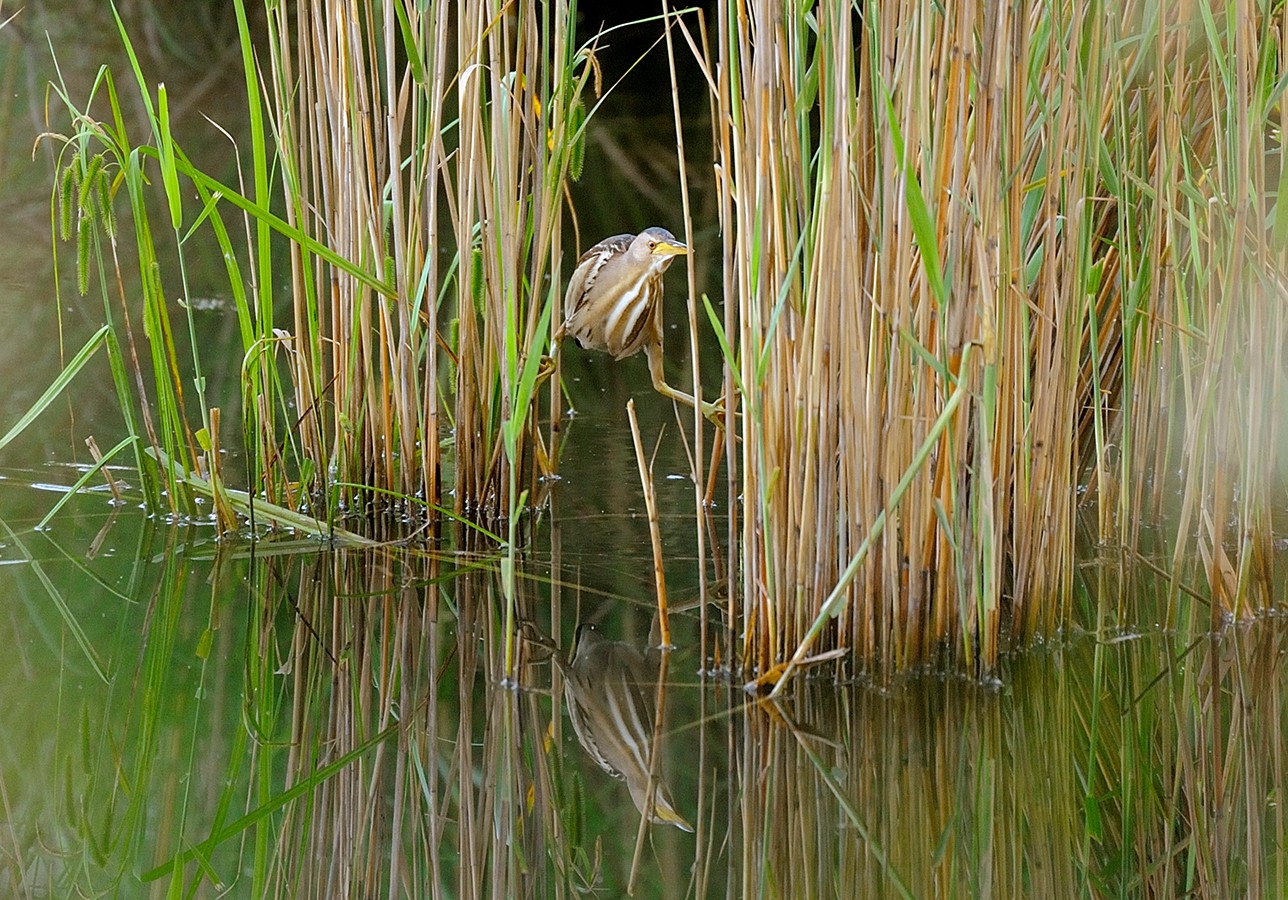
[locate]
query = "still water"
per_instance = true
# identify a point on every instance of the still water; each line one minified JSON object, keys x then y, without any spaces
{"x":282,"y":720}
{"x":182,"y":717}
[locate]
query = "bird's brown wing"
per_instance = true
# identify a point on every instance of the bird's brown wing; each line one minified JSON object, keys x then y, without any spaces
{"x":588,"y":267}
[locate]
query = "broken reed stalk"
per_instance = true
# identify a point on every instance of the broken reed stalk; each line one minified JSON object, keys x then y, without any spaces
{"x":1028,"y":177}
{"x":101,"y":464}
{"x":654,"y":528}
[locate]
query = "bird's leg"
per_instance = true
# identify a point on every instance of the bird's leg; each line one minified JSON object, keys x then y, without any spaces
{"x":653,"y":350}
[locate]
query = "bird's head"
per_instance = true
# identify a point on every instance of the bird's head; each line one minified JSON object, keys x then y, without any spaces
{"x":657,"y":246}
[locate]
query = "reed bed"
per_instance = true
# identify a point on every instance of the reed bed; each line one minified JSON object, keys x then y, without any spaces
{"x":1065,"y":212}
{"x":418,"y":154}
{"x":410,"y":133}
{"x":976,"y":261}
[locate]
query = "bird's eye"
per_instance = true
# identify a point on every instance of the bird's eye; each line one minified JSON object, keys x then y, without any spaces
{"x":652,"y":245}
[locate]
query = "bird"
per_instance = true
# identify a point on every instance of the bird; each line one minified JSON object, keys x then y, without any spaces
{"x":610,"y":689}
{"x":614,"y":302}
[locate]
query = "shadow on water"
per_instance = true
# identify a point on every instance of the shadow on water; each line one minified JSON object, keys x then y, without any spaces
{"x":284,"y":722}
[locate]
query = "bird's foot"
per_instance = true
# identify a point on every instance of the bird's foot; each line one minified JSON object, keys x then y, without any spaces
{"x":715,"y":413}
{"x":545,"y":368}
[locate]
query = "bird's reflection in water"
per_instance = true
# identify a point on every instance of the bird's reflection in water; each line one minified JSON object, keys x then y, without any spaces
{"x":611,"y":690}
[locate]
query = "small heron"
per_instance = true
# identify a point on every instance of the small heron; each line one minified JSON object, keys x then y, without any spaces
{"x":614,"y":302}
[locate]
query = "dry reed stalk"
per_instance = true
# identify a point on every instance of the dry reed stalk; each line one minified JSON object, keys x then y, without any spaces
{"x":518,"y":98}
{"x":1002,"y":176}
{"x":367,"y":100}
{"x":701,"y":493}
{"x":361,"y":150}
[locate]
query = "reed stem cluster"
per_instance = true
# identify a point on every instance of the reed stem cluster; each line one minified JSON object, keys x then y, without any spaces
{"x":977,"y":259}
{"x":1067,"y":209}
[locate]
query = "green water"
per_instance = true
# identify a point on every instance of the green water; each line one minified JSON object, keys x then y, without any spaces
{"x":163,"y":694}
{"x":187,"y":718}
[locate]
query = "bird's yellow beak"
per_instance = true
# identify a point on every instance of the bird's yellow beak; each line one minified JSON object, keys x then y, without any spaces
{"x":666,"y":248}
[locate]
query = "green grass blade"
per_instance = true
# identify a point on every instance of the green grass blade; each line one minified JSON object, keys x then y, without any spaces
{"x":723,"y":340}
{"x":923,"y":224}
{"x":165,"y":147}
{"x":64,"y":378}
{"x":85,"y":479}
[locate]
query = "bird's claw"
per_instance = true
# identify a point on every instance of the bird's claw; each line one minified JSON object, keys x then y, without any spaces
{"x":715,"y":412}
{"x":545,"y":368}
